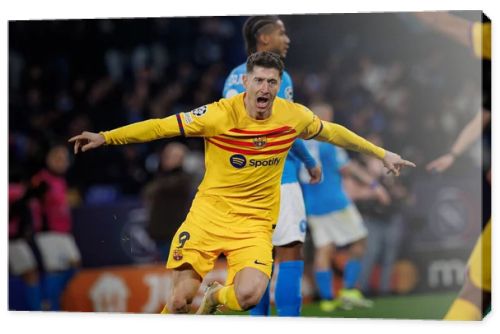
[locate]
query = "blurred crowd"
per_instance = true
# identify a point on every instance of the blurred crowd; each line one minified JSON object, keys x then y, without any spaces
{"x":385,"y":77}
{"x":70,"y":76}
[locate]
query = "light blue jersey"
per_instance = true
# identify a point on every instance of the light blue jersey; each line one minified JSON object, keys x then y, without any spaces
{"x":298,"y":152}
{"x":328,"y":195}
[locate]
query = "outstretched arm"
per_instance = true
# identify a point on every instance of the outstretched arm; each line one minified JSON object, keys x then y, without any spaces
{"x":473,"y":35}
{"x":341,"y":136}
{"x":139,"y":132}
{"x":450,"y":25}
{"x":469,"y":134}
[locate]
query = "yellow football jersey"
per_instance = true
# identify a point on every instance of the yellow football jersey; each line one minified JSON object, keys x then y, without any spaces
{"x":244,"y":159}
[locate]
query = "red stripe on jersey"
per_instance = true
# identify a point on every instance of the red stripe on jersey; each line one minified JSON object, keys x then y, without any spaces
{"x":272,"y":135}
{"x":236,"y":150}
{"x":261,"y":133}
{"x":284,"y":133}
{"x":251,"y":144}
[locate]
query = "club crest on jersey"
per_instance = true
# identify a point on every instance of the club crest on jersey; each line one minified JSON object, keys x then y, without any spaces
{"x":177,"y":255}
{"x":199,"y":111}
{"x":260,"y":142}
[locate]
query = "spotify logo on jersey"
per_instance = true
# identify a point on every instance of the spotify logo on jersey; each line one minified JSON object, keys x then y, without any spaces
{"x":238,"y":161}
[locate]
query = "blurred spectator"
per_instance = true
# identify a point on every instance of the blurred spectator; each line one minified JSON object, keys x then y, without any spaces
{"x":383,"y":221}
{"x":26,"y":293}
{"x":119,"y":71}
{"x":168,"y":196}
{"x":59,"y":254}
{"x":136,"y":69}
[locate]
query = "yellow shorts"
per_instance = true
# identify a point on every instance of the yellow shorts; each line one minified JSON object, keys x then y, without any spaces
{"x":200,"y":246}
{"x":480,"y":260}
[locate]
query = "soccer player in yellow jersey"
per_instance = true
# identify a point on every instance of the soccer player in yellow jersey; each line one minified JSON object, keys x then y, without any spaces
{"x":247,"y":138}
{"x":474,"y":299}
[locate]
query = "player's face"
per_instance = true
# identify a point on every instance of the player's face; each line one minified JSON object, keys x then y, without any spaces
{"x":278,"y":40}
{"x":262,"y":86}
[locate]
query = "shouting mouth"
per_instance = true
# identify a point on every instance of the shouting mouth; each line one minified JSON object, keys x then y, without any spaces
{"x":263,"y":102}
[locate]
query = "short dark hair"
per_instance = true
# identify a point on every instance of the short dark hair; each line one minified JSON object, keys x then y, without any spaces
{"x":265,"y":59}
{"x":253,"y":27}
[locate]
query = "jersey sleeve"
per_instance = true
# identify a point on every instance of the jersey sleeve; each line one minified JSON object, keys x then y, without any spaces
{"x":233,"y":84}
{"x":144,"y":131}
{"x":205,"y":121}
{"x":337,"y":135}
{"x":313,"y":124}
{"x":300,"y":150}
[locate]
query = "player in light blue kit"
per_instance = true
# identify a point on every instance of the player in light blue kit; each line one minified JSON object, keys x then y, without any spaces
{"x":267,"y":33}
{"x":334,"y":220}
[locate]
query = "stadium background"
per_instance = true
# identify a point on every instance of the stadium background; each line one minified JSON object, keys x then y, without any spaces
{"x":382,"y":72}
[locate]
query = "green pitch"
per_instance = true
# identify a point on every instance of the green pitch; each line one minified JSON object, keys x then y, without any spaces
{"x":428,"y":306}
